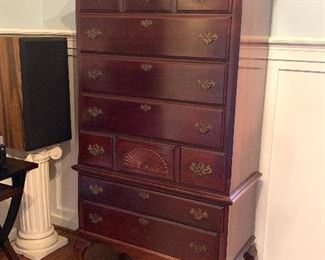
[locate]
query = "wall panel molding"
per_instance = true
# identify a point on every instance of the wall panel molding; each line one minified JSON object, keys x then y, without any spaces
{"x":295,"y":73}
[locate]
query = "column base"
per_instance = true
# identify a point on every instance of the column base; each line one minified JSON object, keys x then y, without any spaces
{"x":41,"y":253}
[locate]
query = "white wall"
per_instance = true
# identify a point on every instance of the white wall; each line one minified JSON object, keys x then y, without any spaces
{"x":298,"y":18}
{"x":37,"y":14}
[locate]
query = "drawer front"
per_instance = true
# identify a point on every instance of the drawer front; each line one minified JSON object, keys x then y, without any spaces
{"x":204,"y":37}
{"x":109,"y":5}
{"x":147,"y":5}
{"x":204,"y":169}
{"x":151,"y":233}
{"x":204,"y":5}
{"x":155,"y":204}
{"x":95,"y":150}
{"x":192,"y":82}
{"x":181,"y":123}
{"x":146,"y":158}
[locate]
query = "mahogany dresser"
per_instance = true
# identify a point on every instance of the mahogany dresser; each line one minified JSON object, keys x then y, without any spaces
{"x":168,"y":152}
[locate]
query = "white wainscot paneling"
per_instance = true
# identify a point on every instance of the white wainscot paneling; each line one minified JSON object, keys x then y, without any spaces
{"x":291,"y":207}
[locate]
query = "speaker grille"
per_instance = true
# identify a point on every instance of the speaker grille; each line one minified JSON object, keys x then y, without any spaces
{"x":45,"y":80}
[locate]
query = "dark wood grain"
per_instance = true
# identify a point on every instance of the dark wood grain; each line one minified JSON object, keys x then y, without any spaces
{"x":189,"y":124}
{"x":152,"y":233}
{"x":206,"y":5}
{"x":150,"y":58}
{"x":156,"y":35}
{"x":185,"y":211}
{"x":107,"y":5}
{"x":203,"y":169}
{"x":11,"y":101}
{"x":96,"y":150}
{"x":148,"y":5}
{"x":182,"y":81}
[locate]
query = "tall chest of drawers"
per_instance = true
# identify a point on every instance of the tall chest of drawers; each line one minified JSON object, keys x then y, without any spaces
{"x":168,"y":152}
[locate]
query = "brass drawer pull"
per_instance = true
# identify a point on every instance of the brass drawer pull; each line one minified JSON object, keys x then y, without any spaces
{"x":95,"y":111}
{"x":197,"y":248}
{"x":208,"y":37}
{"x":200,"y":169}
{"x":206,"y":84}
{"x":145,"y":107}
{"x":94,"y":74}
{"x":144,"y":195}
{"x":96,"y":150}
{"x":93,"y":33}
{"x":146,"y":67}
{"x":143,"y":221}
{"x":94,"y":218}
{"x":199,"y":214}
{"x":146,"y":23}
{"x":203,"y":127}
{"x":95,"y":189}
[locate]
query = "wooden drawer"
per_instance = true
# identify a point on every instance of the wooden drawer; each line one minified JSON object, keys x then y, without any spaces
{"x":204,"y":36}
{"x":146,"y":158}
{"x":108,"y":5}
{"x":192,"y":82}
{"x":184,"y":211}
{"x":151,"y":233}
{"x":95,"y":150}
{"x":204,"y":169}
{"x":204,"y":5}
{"x":148,"y":5}
{"x":181,"y":123}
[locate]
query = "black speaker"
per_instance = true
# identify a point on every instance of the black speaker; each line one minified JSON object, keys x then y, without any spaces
{"x":34,"y":92}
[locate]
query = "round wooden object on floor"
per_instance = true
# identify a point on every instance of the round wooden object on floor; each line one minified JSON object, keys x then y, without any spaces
{"x":104,"y":252}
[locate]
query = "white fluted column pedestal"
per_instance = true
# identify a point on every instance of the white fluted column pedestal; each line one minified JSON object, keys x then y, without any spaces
{"x":37,"y":237}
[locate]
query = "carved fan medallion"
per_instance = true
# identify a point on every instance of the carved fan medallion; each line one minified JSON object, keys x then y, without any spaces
{"x":146,"y":160}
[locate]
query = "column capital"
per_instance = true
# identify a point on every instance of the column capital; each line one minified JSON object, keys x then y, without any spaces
{"x":54,"y":153}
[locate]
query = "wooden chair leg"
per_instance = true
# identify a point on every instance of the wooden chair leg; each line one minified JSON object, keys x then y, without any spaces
{"x":79,"y":247}
{"x":251,"y":253}
{"x":9,"y":251}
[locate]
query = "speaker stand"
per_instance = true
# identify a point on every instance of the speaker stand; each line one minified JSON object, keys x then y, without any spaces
{"x":37,"y":237}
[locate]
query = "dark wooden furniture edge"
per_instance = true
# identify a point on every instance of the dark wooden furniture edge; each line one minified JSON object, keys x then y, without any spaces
{"x":172,"y":189}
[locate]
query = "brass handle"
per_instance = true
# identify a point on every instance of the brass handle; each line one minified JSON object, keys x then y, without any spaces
{"x":206,"y":84}
{"x":145,"y":107}
{"x":146,"y":67}
{"x":95,"y":189}
{"x":144,"y":195}
{"x":146,"y":23}
{"x":96,"y":150}
{"x":200,"y":169}
{"x":94,"y":74}
{"x":203,"y":127}
{"x":199,"y":214}
{"x":143,"y":221}
{"x":94,"y":218}
{"x":95,"y":111}
{"x":197,"y":248}
{"x":93,"y":33}
{"x":208,"y":37}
